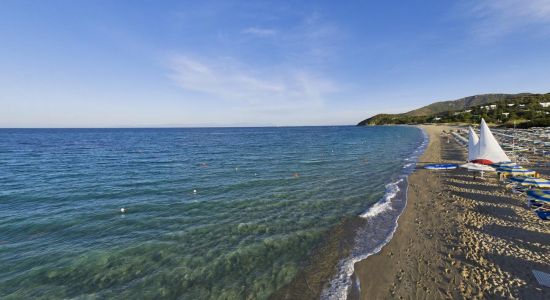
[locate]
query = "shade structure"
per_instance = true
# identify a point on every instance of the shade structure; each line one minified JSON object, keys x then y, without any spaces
{"x":488,"y":149}
{"x":510,"y":167}
{"x":473,"y":141}
{"x":516,"y":171}
{"x":478,"y":167}
{"x":539,"y":195}
{"x":543,"y":214}
{"x":519,"y":178}
{"x":506,"y":164}
{"x":531,"y":181}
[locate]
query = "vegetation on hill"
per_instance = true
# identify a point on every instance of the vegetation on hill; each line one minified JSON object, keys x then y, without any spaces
{"x":460,"y":104}
{"x":525,"y":110}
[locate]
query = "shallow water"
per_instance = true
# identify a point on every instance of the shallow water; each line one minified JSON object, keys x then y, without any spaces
{"x":264,"y":198}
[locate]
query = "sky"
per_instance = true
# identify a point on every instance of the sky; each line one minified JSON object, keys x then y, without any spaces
{"x":260,"y":63}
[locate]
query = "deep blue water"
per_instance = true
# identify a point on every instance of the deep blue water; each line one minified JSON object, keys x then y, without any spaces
{"x":264,"y":198}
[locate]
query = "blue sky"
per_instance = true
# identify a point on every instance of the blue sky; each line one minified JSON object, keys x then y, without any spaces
{"x":243,"y":63}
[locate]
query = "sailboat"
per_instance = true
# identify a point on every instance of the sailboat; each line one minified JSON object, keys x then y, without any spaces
{"x":473,"y":141}
{"x":486,"y":150}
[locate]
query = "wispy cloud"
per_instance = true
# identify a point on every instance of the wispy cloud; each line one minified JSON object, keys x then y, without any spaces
{"x":241,"y":85}
{"x":283,"y":76}
{"x":260,"y":32}
{"x":311,"y":38}
{"x":316,"y":37}
{"x":496,"y":18}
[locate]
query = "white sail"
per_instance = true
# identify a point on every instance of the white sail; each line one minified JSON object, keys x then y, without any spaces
{"x":488,"y":150}
{"x":473,"y":141}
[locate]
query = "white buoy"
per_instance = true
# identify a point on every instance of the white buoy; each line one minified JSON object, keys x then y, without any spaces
{"x":123,"y":210}
{"x":194,"y":191}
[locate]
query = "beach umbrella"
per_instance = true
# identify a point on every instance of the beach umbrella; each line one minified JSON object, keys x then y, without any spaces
{"x":519,"y":179}
{"x":477,"y":167}
{"x":516,"y":171}
{"x":506,"y":164}
{"x":543,"y":214}
{"x":539,"y":195}
{"x":538,"y":182}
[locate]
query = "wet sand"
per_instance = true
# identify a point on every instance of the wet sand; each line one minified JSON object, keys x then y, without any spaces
{"x":458,"y":238}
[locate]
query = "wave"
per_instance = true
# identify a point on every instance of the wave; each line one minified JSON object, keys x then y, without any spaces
{"x":383,"y":205}
{"x":381,"y":223}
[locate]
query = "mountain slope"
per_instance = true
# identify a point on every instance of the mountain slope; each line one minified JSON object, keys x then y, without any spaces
{"x":460,"y":104}
{"x":440,"y":107}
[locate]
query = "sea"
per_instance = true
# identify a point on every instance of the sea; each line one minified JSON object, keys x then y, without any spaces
{"x":209,"y":213}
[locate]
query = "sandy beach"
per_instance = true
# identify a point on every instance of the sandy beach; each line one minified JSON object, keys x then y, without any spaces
{"x":458,"y":238}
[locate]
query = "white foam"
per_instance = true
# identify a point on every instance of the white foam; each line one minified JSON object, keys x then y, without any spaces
{"x":385,"y":203}
{"x":340,"y":284}
{"x":408,"y":165}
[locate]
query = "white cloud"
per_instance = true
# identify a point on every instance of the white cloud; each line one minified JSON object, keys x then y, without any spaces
{"x":260,"y":32}
{"x":499,"y":17}
{"x":285,"y":84}
{"x":229,"y":80}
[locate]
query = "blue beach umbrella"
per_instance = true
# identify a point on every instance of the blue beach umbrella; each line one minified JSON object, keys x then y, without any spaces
{"x":511,"y":167}
{"x":516,"y":171}
{"x":532,"y":181}
{"x":543,"y":214}
{"x":519,"y":178}
{"x":538,"y":182}
{"x":506,"y":164}
{"x":539,"y":195}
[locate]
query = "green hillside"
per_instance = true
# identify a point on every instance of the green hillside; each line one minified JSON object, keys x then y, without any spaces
{"x":460,"y":104}
{"x":507,"y":108}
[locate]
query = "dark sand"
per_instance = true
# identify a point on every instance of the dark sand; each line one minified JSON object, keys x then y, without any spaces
{"x":458,"y":238}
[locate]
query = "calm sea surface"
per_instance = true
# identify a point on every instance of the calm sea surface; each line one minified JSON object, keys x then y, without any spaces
{"x":264,"y":198}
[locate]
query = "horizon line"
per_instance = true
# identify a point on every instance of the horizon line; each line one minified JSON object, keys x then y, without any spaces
{"x":182,"y":127}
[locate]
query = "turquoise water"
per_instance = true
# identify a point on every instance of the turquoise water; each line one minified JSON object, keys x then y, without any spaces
{"x":264,"y":198}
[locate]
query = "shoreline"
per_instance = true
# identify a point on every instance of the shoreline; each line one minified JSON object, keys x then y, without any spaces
{"x":446,"y":244}
{"x":378,"y":225}
{"x":329,"y":272}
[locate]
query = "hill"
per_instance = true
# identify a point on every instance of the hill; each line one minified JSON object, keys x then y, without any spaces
{"x":470,"y":109}
{"x":460,"y":104}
